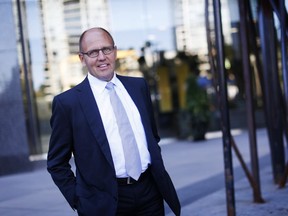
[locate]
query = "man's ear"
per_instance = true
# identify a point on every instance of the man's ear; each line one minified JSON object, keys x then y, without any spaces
{"x":81,"y":57}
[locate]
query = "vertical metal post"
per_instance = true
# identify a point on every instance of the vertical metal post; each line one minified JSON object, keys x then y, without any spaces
{"x":227,"y":139}
{"x":283,"y":22}
{"x":285,"y":77}
{"x":275,"y":4}
{"x":210,"y":46}
{"x":273,"y":95}
{"x":243,"y":11}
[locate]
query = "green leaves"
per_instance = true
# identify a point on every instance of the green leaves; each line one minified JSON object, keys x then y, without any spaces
{"x":197,"y":100}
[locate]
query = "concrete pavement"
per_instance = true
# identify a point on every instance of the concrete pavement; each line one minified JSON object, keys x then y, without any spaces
{"x":196,"y":169}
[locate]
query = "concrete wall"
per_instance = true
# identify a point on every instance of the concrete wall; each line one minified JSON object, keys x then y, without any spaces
{"x":14,"y":151}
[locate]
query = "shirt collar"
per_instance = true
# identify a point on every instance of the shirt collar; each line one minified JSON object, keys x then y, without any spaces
{"x":116,"y":82}
{"x":96,"y":84}
{"x":99,"y":85}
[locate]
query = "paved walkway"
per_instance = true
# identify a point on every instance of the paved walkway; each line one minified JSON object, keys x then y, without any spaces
{"x":215,"y":203}
{"x":196,"y":169}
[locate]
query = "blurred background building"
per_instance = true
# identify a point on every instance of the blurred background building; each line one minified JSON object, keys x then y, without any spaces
{"x":156,"y":39}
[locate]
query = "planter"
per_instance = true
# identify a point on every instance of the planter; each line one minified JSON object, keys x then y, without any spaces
{"x":199,"y":108}
{"x":198,"y":130}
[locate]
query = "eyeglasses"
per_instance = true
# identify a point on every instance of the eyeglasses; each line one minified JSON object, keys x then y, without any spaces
{"x":94,"y":53}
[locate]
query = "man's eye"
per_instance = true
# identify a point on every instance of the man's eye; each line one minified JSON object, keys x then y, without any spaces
{"x":106,"y":49}
{"x":93,"y":52}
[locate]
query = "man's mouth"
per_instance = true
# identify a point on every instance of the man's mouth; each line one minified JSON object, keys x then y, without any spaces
{"x":103,"y":65}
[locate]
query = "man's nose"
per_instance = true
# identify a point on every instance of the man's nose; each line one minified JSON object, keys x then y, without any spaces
{"x":101,"y":55}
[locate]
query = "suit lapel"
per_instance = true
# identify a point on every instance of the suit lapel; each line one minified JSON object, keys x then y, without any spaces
{"x":92,"y":114}
{"x":134,"y":93}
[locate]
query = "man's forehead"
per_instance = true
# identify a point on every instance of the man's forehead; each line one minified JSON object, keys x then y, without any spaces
{"x":94,"y":34}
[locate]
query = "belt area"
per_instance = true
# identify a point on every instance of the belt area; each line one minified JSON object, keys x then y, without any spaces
{"x":131,"y":181}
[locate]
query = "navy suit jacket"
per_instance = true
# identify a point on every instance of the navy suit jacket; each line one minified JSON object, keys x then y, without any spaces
{"x":77,"y":129}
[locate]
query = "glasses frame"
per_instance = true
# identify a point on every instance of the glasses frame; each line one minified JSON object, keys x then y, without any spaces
{"x":88,"y":53}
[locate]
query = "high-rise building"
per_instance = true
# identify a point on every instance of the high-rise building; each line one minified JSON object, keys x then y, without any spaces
{"x":190,"y":27}
{"x":64,"y":21}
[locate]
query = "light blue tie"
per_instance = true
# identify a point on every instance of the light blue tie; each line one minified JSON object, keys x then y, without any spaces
{"x":130,"y":149}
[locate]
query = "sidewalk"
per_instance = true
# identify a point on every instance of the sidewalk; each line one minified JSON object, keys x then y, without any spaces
{"x":215,"y":203}
{"x":196,"y":169}
{"x":202,"y":198}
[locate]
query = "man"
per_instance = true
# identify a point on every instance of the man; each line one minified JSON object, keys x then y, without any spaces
{"x":85,"y":124}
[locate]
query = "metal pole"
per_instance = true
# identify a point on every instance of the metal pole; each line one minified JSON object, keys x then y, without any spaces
{"x":285,"y":78}
{"x":280,"y":12}
{"x":284,"y":56}
{"x":273,"y":95}
{"x":209,"y":44}
{"x":243,"y":11}
{"x":229,"y":178}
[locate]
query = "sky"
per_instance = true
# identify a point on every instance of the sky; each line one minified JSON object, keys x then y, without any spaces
{"x":135,"y":21}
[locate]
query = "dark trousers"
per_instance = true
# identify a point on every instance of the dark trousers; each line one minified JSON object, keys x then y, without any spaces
{"x":140,"y":199}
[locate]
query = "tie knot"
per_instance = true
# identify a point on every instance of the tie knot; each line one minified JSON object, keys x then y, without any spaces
{"x":109,"y":86}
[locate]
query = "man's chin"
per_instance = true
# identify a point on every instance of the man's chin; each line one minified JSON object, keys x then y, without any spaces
{"x":107,"y":76}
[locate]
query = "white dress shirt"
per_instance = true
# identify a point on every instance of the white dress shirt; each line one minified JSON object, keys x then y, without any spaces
{"x":101,"y":96}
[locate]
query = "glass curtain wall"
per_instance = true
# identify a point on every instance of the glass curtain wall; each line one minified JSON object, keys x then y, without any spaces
{"x":158,"y":49}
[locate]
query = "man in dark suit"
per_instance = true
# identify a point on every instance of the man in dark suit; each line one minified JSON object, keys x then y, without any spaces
{"x":83,"y":124}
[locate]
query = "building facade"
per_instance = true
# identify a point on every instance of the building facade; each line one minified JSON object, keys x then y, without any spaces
{"x":39,"y":50}
{"x":39,"y":46}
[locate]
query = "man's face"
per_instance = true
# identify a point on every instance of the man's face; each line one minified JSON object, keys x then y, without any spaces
{"x":102,"y":66}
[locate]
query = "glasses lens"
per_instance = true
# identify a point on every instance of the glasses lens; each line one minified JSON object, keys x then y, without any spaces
{"x":107,"y":50}
{"x":93,"y":53}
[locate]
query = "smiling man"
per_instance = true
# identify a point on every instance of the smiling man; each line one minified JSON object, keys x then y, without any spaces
{"x":119,"y":167}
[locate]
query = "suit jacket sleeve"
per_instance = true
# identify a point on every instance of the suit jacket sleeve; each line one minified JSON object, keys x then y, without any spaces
{"x":60,"y":151}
